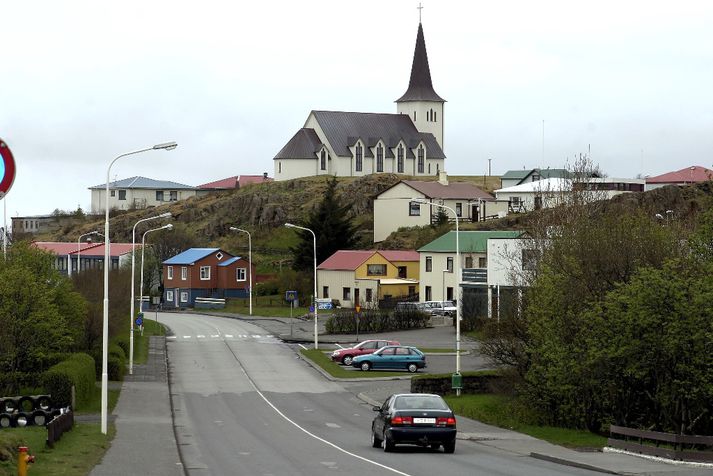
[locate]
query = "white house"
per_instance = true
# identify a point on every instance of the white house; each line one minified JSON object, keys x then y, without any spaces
{"x":139,"y":192}
{"x":348,"y":144}
{"x":394,"y":208}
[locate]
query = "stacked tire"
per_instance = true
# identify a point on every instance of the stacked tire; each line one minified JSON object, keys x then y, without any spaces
{"x":21,"y":411}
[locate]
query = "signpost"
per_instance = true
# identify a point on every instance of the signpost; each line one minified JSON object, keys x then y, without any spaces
{"x":140,"y":319}
{"x":357,"y":308}
{"x":291,"y":296}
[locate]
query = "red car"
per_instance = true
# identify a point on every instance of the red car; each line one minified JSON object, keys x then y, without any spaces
{"x":345,"y":356}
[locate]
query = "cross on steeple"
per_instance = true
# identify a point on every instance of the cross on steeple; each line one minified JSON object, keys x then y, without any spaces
{"x":420,"y":7}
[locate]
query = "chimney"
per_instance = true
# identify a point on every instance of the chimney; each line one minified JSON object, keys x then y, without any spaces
{"x":264,"y":175}
{"x":443,"y":177}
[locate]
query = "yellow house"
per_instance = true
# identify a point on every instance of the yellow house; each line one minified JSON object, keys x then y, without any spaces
{"x":366,"y":276}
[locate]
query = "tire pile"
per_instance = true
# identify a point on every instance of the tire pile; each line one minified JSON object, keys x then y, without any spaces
{"x":21,"y":411}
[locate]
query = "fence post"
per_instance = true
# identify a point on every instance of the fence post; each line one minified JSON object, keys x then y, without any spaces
{"x":74,"y":397}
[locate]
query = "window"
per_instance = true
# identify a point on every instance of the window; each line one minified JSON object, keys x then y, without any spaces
{"x":323,"y":160}
{"x":184,"y":296}
{"x":514,"y":202}
{"x":414,"y":209}
{"x":347,"y":294}
{"x":122,"y":194}
{"x":429,"y":266}
{"x":205,"y":273}
{"x":482,"y":262}
{"x":368,"y":294}
{"x":468,"y":261}
{"x":400,"y":159}
{"x":420,"y":159}
{"x":219,"y":256}
{"x":169,"y":296}
{"x":184,"y":273}
{"x":174,"y":195}
{"x":459,"y":209}
{"x":169,"y":272}
{"x":376,"y":270}
{"x":159,"y":195}
{"x":414,"y":116}
{"x":435,"y":116}
{"x":279,"y":167}
{"x":429,"y":293}
{"x":529,"y":259}
{"x":240,"y":274}
{"x":358,"y":165}
{"x":325,"y":291}
{"x":402,"y":272}
{"x":449,"y":293}
{"x":449,"y":264}
{"x":112,"y":194}
{"x":379,"y":159}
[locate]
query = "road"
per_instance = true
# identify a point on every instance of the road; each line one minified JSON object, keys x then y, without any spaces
{"x":246,"y":404}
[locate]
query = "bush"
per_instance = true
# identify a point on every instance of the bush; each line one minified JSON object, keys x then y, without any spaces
{"x":77,"y":370}
{"x":116,"y":367}
{"x":344,"y":321}
{"x":122,"y":342}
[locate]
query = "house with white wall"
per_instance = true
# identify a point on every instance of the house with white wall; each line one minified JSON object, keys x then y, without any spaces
{"x":139,"y":192}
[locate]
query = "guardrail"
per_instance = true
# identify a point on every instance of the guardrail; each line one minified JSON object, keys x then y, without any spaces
{"x":695,"y":448}
{"x":209,"y":303}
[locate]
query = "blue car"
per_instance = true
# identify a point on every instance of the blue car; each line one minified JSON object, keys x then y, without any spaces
{"x":392,"y":357}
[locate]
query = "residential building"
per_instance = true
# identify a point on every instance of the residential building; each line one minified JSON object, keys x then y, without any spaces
{"x":138,"y":192}
{"x":204,"y":272}
{"x":90,"y":254}
{"x":366,"y":277}
{"x":348,"y":144}
{"x":231,"y":183}
{"x":687,"y":176}
{"x":438,"y":262}
{"x":37,"y":224}
{"x":394,"y":208}
{"x":517,"y":177}
{"x":510,"y":262}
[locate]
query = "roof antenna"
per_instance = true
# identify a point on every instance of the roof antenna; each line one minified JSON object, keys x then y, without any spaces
{"x":420,"y":7}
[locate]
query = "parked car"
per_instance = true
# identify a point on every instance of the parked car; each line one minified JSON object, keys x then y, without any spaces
{"x":345,"y":356}
{"x":411,"y":306}
{"x":421,"y":419}
{"x":441,"y":308}
{"x":395,"y":357}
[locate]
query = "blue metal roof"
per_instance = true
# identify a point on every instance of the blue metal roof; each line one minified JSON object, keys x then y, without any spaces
{"x":230,"y":261}
{"x":191,"y":255}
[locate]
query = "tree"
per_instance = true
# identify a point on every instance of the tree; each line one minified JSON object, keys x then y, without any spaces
{"x":332,"y":228}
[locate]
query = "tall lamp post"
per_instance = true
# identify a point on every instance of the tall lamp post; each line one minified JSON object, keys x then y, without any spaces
{"x":133,"y":285}
{"x":314,"y":237}
{"x":107,"y":264}
{"x":79,"y":252}
{"x":459,"y":304}
{"x":141,"y":280}
{"x":250,"y":264}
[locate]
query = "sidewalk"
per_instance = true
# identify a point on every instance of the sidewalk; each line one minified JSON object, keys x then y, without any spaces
{"x":145,"y":442}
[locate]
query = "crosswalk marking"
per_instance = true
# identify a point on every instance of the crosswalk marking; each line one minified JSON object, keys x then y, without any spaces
{"x":255,"y":337}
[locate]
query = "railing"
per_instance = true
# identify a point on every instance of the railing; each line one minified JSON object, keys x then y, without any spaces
{"x":664,"y":445}
{"x":475,"y":275}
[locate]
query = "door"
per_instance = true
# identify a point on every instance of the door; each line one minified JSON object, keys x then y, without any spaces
{"x":474,"y":212}
{"x":357,"y":301}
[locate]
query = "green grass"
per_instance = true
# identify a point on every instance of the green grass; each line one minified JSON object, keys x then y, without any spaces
{"x":141,"y":343}
{"x":335,"y":370}
{"x":501,"y":411}
{"x":76,"y":453}
{"x":263,"y":311}
{"x":95,"y":406}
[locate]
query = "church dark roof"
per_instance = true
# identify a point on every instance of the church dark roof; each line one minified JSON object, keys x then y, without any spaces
{"x":343,"y":129}
{"x":420,"y":87}
{"x":303,"y":145}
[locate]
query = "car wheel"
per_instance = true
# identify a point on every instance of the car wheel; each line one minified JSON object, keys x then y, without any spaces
{"x":365,"y":366}
{"x":388,"y":444}
{"x":347,"y":360}
{"x":375,"y":441}
{"x":412,"y":368}
{"x":435,"y":446}
{"x":449,"y":447}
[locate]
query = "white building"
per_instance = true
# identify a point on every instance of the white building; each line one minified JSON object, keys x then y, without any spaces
{"x":139,"y":192}
{"x":349,"y":144}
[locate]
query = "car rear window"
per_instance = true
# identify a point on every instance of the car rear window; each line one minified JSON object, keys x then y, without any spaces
{"x":420,"y":402}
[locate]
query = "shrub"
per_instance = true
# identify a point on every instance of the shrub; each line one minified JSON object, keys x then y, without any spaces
{"x":116,"y":367}
{"x":77,"y":370}
{"x":122,"y":342}
{"x":344,"y":321}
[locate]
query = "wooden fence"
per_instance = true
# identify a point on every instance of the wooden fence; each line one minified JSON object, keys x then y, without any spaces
{"x":58,"y":425}
{"x":664,"y":445}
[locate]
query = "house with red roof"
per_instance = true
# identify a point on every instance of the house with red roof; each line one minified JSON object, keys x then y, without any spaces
{"x":365,"y":277}
{"x":394,"y":208}
{"x":231,"y":183}
{"x":87,"y":254}
{"x":687,"y":176}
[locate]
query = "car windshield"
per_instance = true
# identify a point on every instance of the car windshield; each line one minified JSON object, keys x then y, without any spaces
{"x":420,"y":402}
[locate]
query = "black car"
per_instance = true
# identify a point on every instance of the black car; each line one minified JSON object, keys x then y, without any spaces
{"x":421,"y":419}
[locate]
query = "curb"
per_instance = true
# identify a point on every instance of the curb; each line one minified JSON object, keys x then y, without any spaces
{"x":574,"y":464}
{"x":328,"y":376}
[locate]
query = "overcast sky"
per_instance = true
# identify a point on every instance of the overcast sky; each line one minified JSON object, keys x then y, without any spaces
{"x":231,"y":82}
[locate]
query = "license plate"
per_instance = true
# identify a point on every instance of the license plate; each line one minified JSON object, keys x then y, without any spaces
{"x":424,"y":420}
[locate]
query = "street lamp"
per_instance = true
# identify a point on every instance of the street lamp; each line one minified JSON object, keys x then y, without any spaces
{"x":79,"y":251}
{"x":107,"y":264}
{"x":133,"y":285}
{"x":314,"y":237}
{"x":459,"y":296}
{"x":143,"y":239}
{"x":250,"y":264}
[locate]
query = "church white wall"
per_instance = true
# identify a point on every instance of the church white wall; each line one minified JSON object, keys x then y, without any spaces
{"x":287,"y":169}
{"x":421,"y":108}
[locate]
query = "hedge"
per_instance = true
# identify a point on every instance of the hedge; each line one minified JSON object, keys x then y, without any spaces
{"x":481,"y":381}
{"x":344,"y":321}
{"x":77,"y":370}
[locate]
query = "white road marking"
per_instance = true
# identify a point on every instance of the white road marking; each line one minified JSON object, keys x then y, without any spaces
{"x":229,"y":336}
{"x":200,"y":336}
{"x":171,"y":337}
{"x":214,"y":336}
{"x":332,"y":425}
{"x":255,"y":336}
{"x":305,"y":348}
{"x":186,"y":337}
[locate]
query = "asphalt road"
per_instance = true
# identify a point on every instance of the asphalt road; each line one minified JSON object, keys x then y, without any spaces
{"x":246,"y":404}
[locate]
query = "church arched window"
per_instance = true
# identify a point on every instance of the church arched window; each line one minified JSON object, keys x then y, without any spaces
{"x":379,"y":158}
{"x":421,"y":159}
{"x":400,"y":159}
{"x":323,"y":160}
{"x":435,"y":116}
{"x":358,"y":164}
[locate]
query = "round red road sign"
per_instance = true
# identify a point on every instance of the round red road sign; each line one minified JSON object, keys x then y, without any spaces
{"x":7,"y":168}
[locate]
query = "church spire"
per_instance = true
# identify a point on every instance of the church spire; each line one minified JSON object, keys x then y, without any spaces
{"x":420,"y":87}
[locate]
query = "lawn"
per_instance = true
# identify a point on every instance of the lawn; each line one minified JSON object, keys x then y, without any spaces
{"x":141,"y":343}
{"x":265,"y":306}
{"x":339,"y":371}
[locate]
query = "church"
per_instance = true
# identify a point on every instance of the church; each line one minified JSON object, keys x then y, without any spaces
{"x":352,"y":144}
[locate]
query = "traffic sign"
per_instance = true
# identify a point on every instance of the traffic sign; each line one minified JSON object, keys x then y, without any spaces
{"x":311,"y":309}
{"x":290,"y":295}
{"x":7,"y":168}
{"x":324,"y":305}
{"x":139,"y":320}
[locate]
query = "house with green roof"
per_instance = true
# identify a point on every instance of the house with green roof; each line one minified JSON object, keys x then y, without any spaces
{"x":437,"y":259}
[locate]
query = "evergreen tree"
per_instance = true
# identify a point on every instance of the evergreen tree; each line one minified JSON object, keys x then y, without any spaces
{"x":332,"y":227}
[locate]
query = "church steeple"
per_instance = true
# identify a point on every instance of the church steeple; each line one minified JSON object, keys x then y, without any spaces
{"x":420,"y":87}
